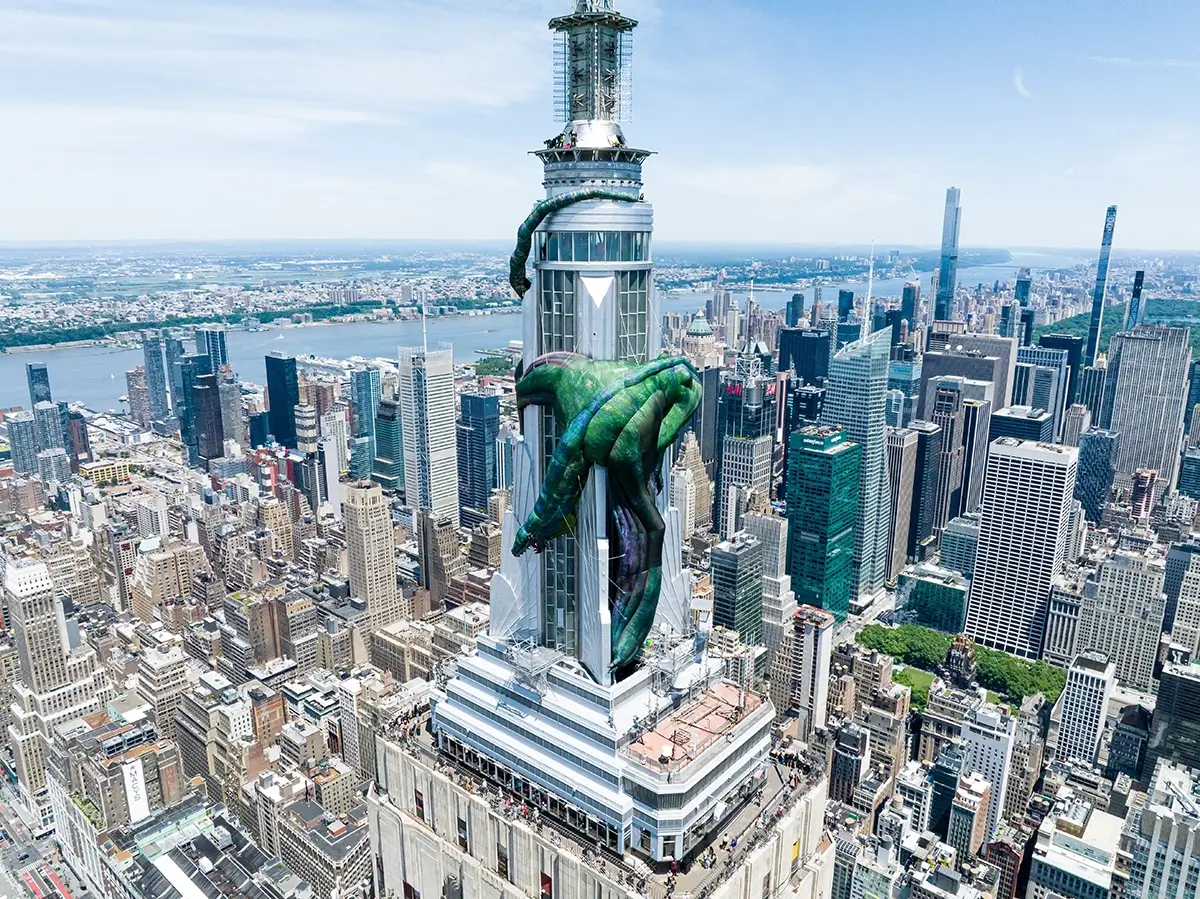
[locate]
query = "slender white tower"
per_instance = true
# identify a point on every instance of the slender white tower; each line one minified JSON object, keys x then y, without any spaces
{"x":592,"y":293}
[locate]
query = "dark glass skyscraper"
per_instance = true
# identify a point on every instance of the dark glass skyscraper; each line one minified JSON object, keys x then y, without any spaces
{"x":38,"y":377}
{"x":1135,"y":301}
{"x":78,"y":445}
{"x":746,"y":436}
{"x":1073,"y":345}
{"x":1097,"y":466}
{"x":822,"y":510}
{"x":283,"y":395}
{"x":925,"y":483}
{"x":365,"y":392}
{"x":1024,"y":283}
{"x":1193,"y":396}
{"x":206,"y":403}
{"x":189,"y":371}
{"x":156,"y":374}
{"x":260,"y":428}
{"x":795,"y":310}
{"x":175,"y":350}
{"x":1093,"y":342}
{"x":910,"y":301}
{"x":808,"y":350}
{"x":737,"y":581}
{"x":478,"y":428}
{"x":845,"y":305}
{"x":948,"y":270}
{"x":388,"y":469}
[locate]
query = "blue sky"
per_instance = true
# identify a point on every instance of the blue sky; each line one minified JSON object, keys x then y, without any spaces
{"x":778,"y":120}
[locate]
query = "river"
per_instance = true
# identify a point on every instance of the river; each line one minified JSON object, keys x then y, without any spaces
{"x":95,"y":375}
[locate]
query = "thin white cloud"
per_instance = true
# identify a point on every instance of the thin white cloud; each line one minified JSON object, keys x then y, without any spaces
{"x":1019,"y":84}
{"x":769,"y":184}
{"x":1157,"y":63}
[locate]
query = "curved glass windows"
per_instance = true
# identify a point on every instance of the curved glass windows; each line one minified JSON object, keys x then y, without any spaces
{"x":593,"y":246}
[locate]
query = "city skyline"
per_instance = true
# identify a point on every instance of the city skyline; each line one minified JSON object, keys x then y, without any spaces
{"x":825,"y":575}
{"x":154,"y":122}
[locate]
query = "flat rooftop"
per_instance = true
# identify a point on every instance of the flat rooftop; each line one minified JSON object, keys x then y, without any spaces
{"x":684,"y":735}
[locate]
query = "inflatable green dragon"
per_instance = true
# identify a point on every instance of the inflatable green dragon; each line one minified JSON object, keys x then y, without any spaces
{"x":622,"y":416}
{"x":520,"y":256}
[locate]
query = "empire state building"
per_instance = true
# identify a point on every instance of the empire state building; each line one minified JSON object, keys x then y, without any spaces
{"x":639,"y":757}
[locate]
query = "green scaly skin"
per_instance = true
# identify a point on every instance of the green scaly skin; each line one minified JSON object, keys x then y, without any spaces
{"x":520,"y":255}
{"x":622,"y":416}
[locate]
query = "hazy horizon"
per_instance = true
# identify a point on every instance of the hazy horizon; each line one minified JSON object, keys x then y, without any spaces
{"x":770,"y":121}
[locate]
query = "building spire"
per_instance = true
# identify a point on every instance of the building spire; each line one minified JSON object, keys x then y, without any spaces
{"x":593,"y":65}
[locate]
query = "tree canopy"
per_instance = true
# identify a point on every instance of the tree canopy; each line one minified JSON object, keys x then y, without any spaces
{"x":997,"y":671}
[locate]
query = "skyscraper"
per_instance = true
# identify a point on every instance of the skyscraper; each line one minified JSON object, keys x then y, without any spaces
{"x":371,"y":551}
{"x":902,"y":475}
{"x":845,"y":305}
{"x":746,"y":438}
{"x":1175,"y":728}
{"x":1049,"y":390}
{"x":1077,"y":420}
{"x":807,"y":351}
{"x":478,"y":428}
{"x":1122,"y":613}
{"x":48,"y":417}
{"x":1073,"y":345}
{"x":778,"y":600}
{"x":738,"y":586}
{"x":428,"y":426}
{"x":259,"y":428}
{"x":307,"y":428}
{"x":1093,"y":341}
{"x":856,"y":400}
{"x":948,"y":270}
{"x":1090,"y":683}
{"x":174,"y":350}
{"x":189,"y":370}
{"x":805,"y":666}
{"x":1144,"y":395}
{"x":387,"y":468}
{"x":910,"y":304}
{"x":365,"y":393}
{"x":1160,"y":833}
{"x":1097,"y":467}
{"x":822,"y":509}
{"x":988,"y":732}
{"x":156,"y":374}
{"x":206,"y":403}
{"x":1134,"y":316}
{"x":925,"y":484}
{"x":56,"y":681}
{"x":1024,"y":283}
{"x":233,"y":418}
{"x":138,"y":395}
{"x":441,"y":557}
{"x":38,"y":377}
{"x":210,"y":341}
{"x":1024,"y":532}
{"x":283,"y":393}
{"x":23,"y":442}
{"x":78,"y":445}
{"x":948,"y":415}
{"x":548,"y":650}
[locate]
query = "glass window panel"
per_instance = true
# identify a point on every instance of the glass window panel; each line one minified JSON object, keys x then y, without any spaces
{"x":638,"y":246}
{"x":596,"y":239}
{"x":541,"y":245}
{"x":552,"y":247}
{"x":581,"y":246}
{"x":626,"y":246}
{"x":612,"y":247}
{"x":646,"y":256}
